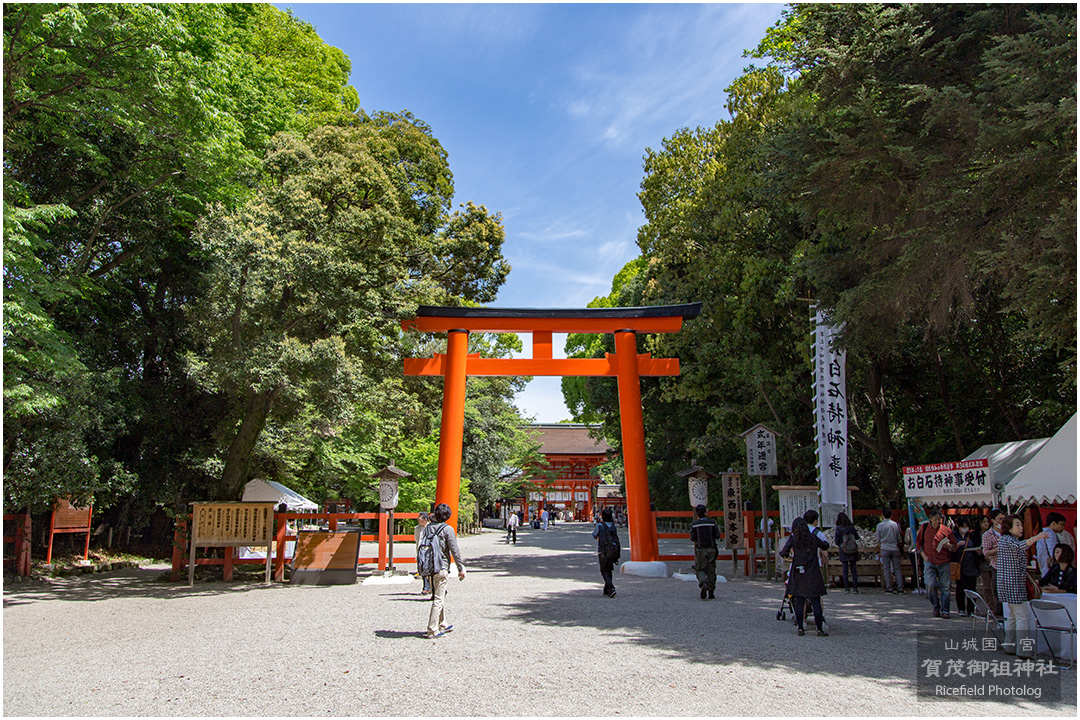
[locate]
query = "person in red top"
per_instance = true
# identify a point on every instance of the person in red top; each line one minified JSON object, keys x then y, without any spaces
{"x":936,"y":543}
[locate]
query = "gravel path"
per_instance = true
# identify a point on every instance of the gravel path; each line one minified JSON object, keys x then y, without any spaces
{"x":531,"y":634}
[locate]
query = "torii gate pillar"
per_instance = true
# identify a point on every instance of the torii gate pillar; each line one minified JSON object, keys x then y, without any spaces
{"x":452,"y":430}
{"x":643,"y":542}
{"x":626,"y":365}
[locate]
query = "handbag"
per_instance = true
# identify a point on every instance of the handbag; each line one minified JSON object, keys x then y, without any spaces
{"x":954,"y":570}
{"x":1034,"y":592}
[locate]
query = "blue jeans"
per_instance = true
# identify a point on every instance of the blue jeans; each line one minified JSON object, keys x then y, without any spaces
{"x":938,"y":585}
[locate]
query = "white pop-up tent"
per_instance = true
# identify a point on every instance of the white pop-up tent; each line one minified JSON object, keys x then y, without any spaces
{"x":1049,"y":478}
{"x":270,"y":491}
{"x":1006,"y":461}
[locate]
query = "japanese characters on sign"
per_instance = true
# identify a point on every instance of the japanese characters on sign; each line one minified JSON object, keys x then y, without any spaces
{"x":731,"y":494}
{"x":794,"y":503}
{"x":760,"y":451}
{"x":830,"y":409}
{"x":967,"y":477}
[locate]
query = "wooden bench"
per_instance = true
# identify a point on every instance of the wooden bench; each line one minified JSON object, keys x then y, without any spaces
{"x":69,"y":519}
{"x":866,"y":566}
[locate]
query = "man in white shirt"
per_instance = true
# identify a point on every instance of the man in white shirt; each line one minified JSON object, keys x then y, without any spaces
{"x":1044,"y":549}
{"x":511,"y":528}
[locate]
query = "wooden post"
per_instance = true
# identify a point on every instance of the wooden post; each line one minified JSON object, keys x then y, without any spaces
{"x":382,"y":540}
{"x":644,"y":546}
{"x":86,"y":548}
{"x":279,"y":557}
{"x":452,"y":430}
{"x":22,"y":545}
{"x":765,"y":529}
{"x":52,"y":529}
{"x":390,"y":549}
{"x":179,"y":548}
{"x":227,"y":569}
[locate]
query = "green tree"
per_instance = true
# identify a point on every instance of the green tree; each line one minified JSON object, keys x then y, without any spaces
{"x":350,"y":232}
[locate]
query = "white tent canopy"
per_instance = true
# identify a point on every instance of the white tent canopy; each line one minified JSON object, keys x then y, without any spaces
{"x":1050,"y":477}
{"x":1006,"y":460}
{"x":270,"y":491}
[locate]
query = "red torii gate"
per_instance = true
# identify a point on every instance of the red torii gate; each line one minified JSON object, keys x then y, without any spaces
{"x":626,"y":365}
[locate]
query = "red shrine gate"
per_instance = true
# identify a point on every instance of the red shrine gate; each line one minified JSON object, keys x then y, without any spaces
{"x":625,"y":364}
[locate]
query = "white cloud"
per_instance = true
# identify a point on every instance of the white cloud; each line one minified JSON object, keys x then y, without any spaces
{"x":668,"y":70}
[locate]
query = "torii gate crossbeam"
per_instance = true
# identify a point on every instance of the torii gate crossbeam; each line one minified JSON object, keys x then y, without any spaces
{"x":626,"y":365}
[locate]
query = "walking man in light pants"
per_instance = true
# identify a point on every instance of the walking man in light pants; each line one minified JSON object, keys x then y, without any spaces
{"x":446,"y":544}
{"x":888,"y":537}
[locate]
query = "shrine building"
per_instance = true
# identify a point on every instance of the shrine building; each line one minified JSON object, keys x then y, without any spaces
{"x":574,"y":458}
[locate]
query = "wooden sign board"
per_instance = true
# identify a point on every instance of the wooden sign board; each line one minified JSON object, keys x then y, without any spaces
{"x":731,"y":499}
{"x":231,"y":524}
{"x":66,"y":518}
{"x":325,"y":558}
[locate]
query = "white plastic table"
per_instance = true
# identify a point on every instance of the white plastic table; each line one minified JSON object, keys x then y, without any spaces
{"x":1063,"y":646}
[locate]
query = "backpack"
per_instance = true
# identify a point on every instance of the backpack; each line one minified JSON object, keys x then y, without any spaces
{"x":850,"y":545}
{"x":609,"y":545}
{"x":429,"y":554}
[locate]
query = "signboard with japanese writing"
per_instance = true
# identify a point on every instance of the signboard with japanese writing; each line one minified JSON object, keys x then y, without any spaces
{"x":760,"y":451}
{"x":951,"y":479}
{"x":794,"y":502}
{"x":731,"y":494}
{"x":830,"y":409}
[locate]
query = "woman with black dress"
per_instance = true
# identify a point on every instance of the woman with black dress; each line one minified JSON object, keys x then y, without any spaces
{"x":1061,"y":575}
{"x":805,"y":581}
{"x":967,"y":553}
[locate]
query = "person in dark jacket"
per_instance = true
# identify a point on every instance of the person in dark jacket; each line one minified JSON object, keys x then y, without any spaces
{"x":1061,"y":577}
{"x":704,"y":534}
{"x":604,"y":530}
{"x":968,"y":553}
{"x":848,"y":561}
{"x":805,"y":581}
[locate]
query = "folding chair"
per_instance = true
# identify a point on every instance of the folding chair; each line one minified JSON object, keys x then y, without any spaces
{"x":1051,"y":606}
{"x":984,"y":613}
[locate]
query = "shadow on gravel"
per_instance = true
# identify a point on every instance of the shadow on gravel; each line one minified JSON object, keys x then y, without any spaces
{"x":133,"y":583}
{"x":739,"y":628}
{"x":399,"y":635}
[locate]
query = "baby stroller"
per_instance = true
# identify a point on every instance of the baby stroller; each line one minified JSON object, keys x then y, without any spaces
{"x":787,"y":606}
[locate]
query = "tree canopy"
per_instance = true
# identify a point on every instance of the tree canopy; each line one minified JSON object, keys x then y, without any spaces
{"x":913,"y":168}
{"x":208,"y":249}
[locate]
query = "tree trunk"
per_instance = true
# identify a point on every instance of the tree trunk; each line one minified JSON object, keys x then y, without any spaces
{"x":946,"y":400}
{"x":238,"y":459}
{"x":883,"y":444}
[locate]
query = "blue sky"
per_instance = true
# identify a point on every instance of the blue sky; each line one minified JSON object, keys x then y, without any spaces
{"x":546,"y":112}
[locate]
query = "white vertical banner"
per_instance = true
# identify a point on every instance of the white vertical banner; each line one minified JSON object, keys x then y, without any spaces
{"x":830,"y":409}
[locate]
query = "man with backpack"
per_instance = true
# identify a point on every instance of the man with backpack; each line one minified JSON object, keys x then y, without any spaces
{"x":607,"y":548}
{"x":704,"y":534}
{"x":437,"y":545}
